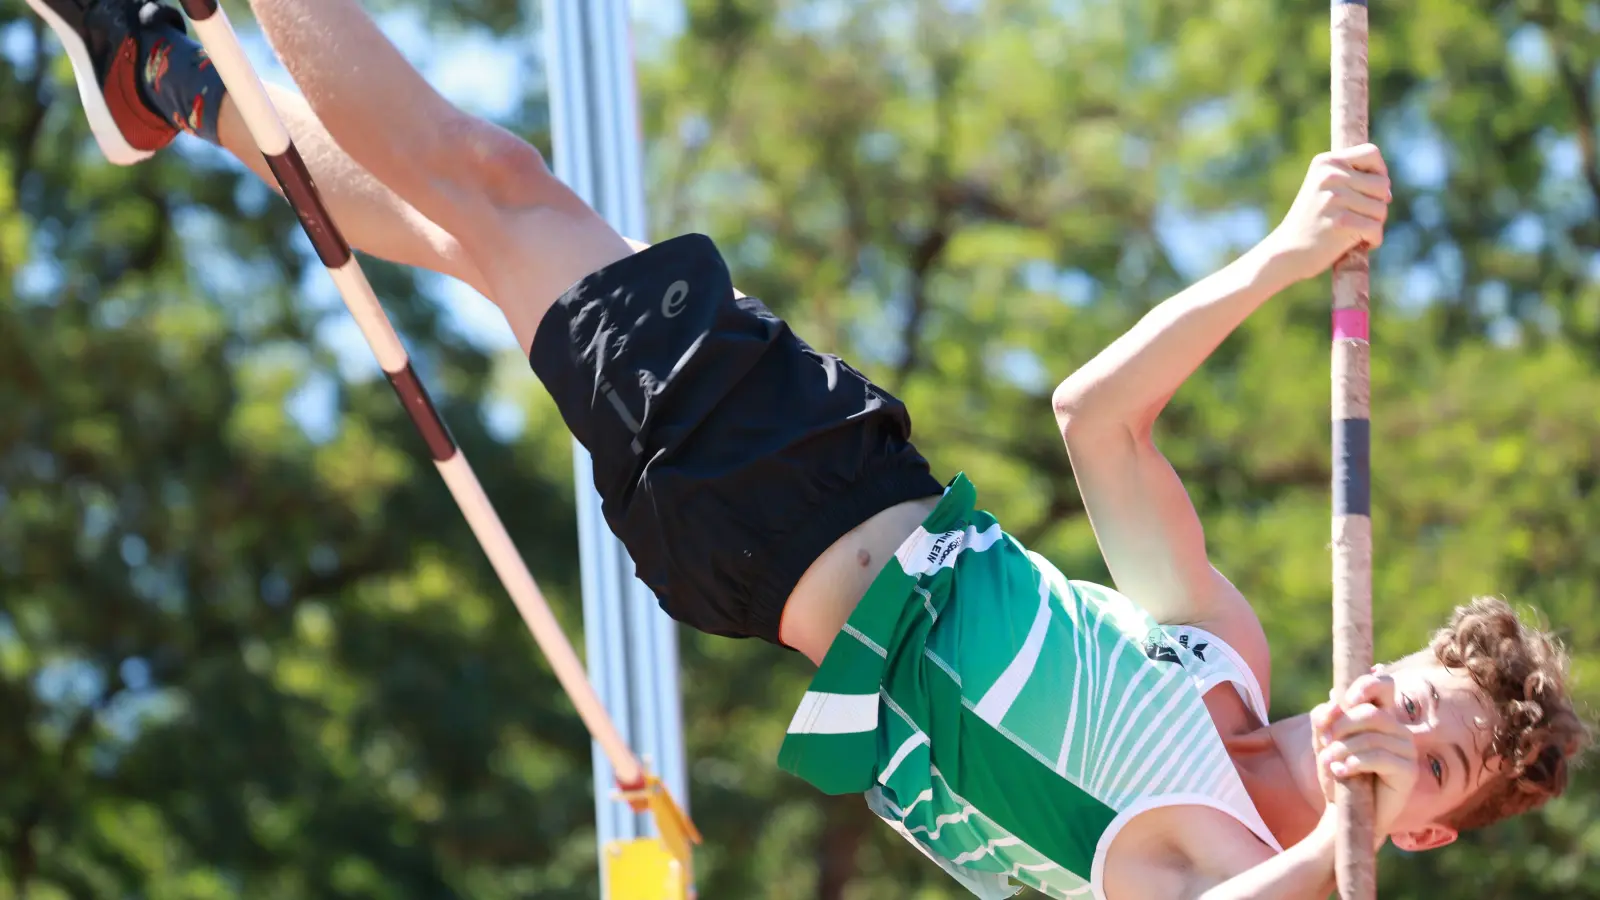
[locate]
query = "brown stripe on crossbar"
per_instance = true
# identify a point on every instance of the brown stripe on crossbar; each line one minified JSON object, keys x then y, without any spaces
{"x":200,"y":10}
{"x":414,"y":397}
{"x":302,"y":194}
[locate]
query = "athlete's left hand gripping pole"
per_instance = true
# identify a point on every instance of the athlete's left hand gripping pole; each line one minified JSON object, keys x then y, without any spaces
{"x":638,"y":787}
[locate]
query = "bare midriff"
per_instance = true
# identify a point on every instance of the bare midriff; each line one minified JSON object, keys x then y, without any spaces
{"x":828,"y":592}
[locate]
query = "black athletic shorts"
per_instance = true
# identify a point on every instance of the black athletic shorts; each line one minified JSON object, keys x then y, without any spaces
{"x":728,"y":454}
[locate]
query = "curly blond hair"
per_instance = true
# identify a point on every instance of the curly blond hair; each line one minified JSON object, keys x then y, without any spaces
{"x":1537,"y":735}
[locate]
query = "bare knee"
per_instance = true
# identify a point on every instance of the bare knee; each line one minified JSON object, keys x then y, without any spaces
{"x":529,"y":234}
{"x":518,"y":205}
{"x":499,"y":167}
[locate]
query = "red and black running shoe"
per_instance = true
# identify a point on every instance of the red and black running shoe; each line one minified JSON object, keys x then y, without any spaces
{"x":103,"y":41}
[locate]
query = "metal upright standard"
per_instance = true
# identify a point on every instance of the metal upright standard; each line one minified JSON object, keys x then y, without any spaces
{"x":632,"y":645}
{"x":1352,"y":448}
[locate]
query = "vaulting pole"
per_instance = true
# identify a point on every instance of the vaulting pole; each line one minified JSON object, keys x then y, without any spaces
{"x":216,"y":34}
{"x":1352,"y":448}
{"x":655,"y":869}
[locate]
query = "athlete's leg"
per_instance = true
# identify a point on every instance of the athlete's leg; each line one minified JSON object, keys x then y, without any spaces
{"x":762,"y":452}
{"x":143,"y":78}
{"x":528,"y":234}
{"x":408,"y":176}
{"x":373,"y":218}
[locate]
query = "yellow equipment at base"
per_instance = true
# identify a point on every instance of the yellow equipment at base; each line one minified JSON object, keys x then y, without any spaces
{"x":642,"y":869}
{"x":658,"y":868}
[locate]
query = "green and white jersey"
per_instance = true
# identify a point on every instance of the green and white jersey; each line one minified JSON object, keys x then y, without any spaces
{"x":1009,"y":722}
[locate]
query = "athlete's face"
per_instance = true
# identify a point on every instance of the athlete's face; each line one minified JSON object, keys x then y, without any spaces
{"x":1450,"y":721}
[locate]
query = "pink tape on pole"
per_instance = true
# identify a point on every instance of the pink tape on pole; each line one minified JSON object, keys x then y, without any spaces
{"x":1349,"y":324}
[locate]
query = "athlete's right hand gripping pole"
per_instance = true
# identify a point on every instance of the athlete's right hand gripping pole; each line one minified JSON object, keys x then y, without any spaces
{"x":1355,"y":865}
{"x":638,"y":786}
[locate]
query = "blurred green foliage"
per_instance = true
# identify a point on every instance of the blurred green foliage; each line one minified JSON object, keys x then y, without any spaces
{"x":245,"y":657}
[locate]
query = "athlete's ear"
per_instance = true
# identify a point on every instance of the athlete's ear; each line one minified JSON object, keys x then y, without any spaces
{"x":1430,"y":838}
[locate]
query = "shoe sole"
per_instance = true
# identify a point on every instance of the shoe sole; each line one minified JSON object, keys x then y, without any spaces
{"x":113,"y":145}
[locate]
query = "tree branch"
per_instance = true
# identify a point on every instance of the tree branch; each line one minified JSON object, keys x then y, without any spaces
{"x":1576,"y":84}
{"x":22,"y":856}
{"x":928,"y":250}
{"x":33,"y":120}
{"x":857,"y":230}
{"x":1062,"y":504}
{"x":922,"y":260}
{"x":844,"y":826}
{"x":49,"y":794}
{"x":730,"y":56}
{"x":1583,"y":110}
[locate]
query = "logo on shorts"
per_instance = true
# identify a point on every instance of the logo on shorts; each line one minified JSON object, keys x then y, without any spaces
{"x":672,"y":303}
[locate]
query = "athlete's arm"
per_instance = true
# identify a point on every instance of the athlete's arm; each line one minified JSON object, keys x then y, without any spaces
{"x":1199,"y":853}
{"x":1148,"y":531}
{"x":1302,"y":872}
{"x":1361,"y":736}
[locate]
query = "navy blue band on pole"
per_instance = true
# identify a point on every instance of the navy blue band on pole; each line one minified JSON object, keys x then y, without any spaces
{"x":1352,"y":467}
